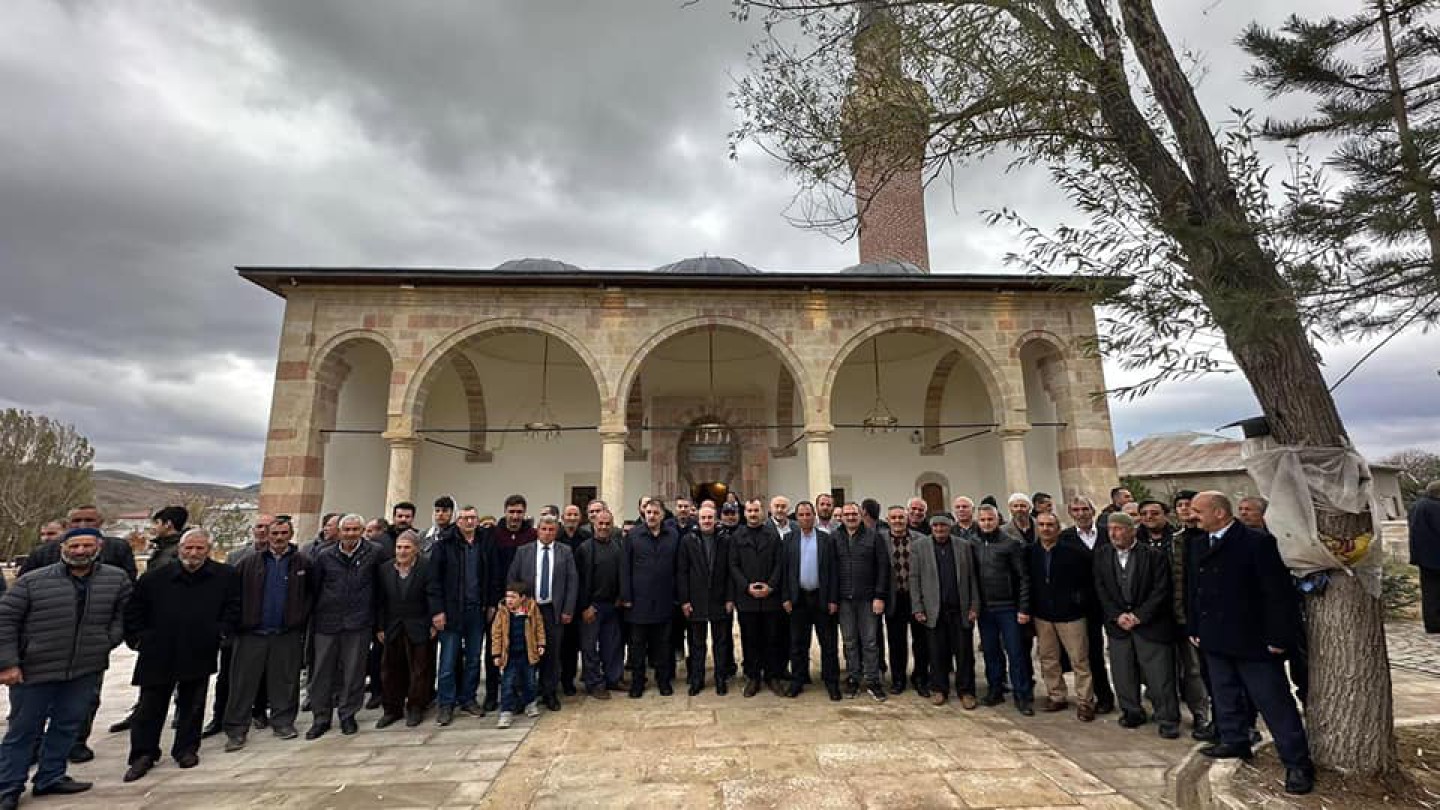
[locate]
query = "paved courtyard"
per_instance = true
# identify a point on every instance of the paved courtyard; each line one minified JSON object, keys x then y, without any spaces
{"x":705,"y":751}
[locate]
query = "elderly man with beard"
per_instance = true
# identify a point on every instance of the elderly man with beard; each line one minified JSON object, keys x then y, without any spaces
{"x":58,"y":625}
{"x":275,"y":600}
{"x":175,"y":619}
{"x":600,"y":566}
{"x":946,"y":601}
{"x":343,"y":622}
{"x":1021,"y":526}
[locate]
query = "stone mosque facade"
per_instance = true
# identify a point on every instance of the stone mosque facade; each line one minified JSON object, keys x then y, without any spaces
{"x":564,"y":383}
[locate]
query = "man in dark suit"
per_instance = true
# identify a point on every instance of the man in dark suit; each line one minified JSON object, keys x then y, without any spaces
{"x":600,"y":563}
{"x":1244,"y":617}
{"x":548,"y":568}
{"x":648,"y":590}
{"x":1425,"y":553}
{"x":1132,"y":581}
{"x":757,"y":565}
{"x":809,"y":596}
{"x":403,"y":626}
{"x":702,"y":586}
{"x":462,"y":592}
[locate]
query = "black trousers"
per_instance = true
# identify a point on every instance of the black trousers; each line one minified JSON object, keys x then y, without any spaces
{"x":899,"y":619}
{"x":1263,"y":683}
{"x":374,"y":671}
{"x":273,"y":661}
{"x":1430,"y":599}
{"x":764,"y":639}
{"x":152,"y":709}
{"x":569,"y":653}
{"x":811,"y":614}
{"x":550,"y":661}
{"x":651,"y":642}
{"x":952,"y":646}
{"x":722,"y":638}
{"x":222,"y":689}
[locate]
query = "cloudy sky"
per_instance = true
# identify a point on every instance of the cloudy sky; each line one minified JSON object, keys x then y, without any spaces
{"x":149,"y":147}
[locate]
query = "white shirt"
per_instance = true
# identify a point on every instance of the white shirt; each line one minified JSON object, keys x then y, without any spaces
{"x":540,"y":551}
{"x":1089,"y":537}
{"x":1124,"y":556}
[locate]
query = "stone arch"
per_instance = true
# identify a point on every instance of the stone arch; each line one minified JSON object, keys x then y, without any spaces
{"x":427,"y":371}
{"x":1003,"y":397}
{"x":329,"y":370}
{"x":474,"y":406}
{"x":788,"y":359}
{"x":933,"y":479}
{"x":784,"y":416}
{"x":935,"y":403}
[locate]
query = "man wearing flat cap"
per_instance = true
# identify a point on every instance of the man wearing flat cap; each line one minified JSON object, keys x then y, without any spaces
{"x":945,"y":598}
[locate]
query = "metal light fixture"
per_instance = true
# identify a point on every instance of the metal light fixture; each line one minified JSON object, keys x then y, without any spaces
{"x":880,"y":419}
{"x":711,"y":433}
{"x":543,"y":424}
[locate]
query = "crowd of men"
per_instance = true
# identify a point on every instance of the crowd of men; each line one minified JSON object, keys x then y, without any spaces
{"x":1149,"y":602}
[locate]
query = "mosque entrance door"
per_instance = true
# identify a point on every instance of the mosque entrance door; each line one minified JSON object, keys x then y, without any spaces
{"x":706,"y":469}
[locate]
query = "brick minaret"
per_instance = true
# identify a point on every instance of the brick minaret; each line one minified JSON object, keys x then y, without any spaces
{"x":886,"y":126}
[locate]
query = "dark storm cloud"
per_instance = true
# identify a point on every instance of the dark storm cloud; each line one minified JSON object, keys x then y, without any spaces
{"x":153,"y":146}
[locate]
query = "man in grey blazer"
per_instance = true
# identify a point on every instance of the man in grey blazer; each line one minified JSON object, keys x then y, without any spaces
{"x":548,"y":568}
{"x":945,"y":597}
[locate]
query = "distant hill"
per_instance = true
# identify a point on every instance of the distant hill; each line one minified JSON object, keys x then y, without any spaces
{"x":117,"y":492}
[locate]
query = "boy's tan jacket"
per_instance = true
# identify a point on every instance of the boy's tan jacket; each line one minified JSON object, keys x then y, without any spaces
{"x":534,"y":633}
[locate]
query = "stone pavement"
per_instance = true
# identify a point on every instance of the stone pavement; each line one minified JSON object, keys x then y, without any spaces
{"x":1410,"y":647}
{"x":398,"y":767}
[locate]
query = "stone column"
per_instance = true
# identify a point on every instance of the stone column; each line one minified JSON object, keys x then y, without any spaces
{"x":400,"y":483}
{"x":1012,"y":445}
{"x":817,"y":457}
{"x":612,"y":468}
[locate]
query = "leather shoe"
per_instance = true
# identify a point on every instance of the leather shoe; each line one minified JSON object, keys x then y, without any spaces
{"x":666,"y":690}
{"x":1204,"y":732}
{"x":637,"y":690}
{"x":80,"y":752}
{"x":1025,"y":707}
{"x":897,"y":687}
{"x":937,"y":699}
{"x":188,"y":760}
{"x":287,"y":732}
{"x":317,"y":731}
{"x":722,"y":686}
{"x":348,"y":726}
{"x":373,"y":702}
{"x":490,"y":704}
{"x":569,"y":689}
{"x":1299,"y":781}
{"x":694,"y":689}
{"x":445,"y":715}
{"x":138,"y":769}
{"x":1104,"y":706}
{"x":1132,"y":719}
{"x":968,"y":702}
{"x":922,"y":690}
{"x":386,"y":720}
{"x":993,"y":698}
{"x":9,"y":801}
{"x":413,"y":717}
{"x":1055,"y":705}
{"x":1227,"y":751}
{"x":123,"y":725}
{"x":212,"y":729}
{"x":834,"y":690}
{"x":553,"y":703}
{"x":793,"y":690}
{"x":233,"y":744}
{"x":752,"y":687}
{"x":64,"y":786}
{"x":1170,"y":731}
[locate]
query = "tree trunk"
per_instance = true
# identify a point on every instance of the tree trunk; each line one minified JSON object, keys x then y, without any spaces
{"x":1350,"y":712}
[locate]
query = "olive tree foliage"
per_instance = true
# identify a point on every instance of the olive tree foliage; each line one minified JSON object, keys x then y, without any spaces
{"x":1094,"y":91}
{"x":45,"y":468}
{"x":1055,"y":84}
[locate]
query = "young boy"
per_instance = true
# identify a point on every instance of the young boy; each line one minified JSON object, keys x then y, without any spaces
{"x":517,"y":640}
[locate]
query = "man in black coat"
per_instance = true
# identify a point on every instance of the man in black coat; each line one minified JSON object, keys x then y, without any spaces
{"x":1061,"y":586}
{"x":703,"y":588}
{"x":1244,"y":617}
{"x":648,"y":592}
{"x":1132,"y":581}
{"x":403,"y":626}
{"x":810,"y":598}
{"x":463,"y":593}
{"x":600,"y":566}
{"x":862,"y":586}
{"x":175,"y":619}
{"x":1086,"y":536}
{"x":344,"y":624}
{"x":1425,"y":553}
{"x":757,"y":565}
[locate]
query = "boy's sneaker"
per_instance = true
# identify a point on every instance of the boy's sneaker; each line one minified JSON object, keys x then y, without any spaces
{"x":505,"y":718}
{"x":533,"y":710}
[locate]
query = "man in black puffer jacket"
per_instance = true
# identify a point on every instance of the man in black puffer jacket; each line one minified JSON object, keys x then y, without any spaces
{"x":1004,"y":592}
{"x":343,"y":620}
{"x":58,"y":625}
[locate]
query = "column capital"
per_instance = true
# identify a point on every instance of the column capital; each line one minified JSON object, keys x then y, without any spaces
{"x":1013,"y":432}
{"x":819,"y":432}
{"x":400,"y":438}
{"x":613,"y":435}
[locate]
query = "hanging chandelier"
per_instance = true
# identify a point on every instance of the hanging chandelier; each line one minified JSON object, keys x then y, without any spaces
{"x":711,"y":433}
{"x":543,"y":424}
{"x":880,"y":419}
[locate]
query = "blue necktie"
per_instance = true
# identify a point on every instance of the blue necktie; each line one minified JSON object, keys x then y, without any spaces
{"x":545,"y":574}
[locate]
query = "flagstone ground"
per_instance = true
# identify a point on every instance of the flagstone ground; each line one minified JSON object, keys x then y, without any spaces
{"x":705,"y":751}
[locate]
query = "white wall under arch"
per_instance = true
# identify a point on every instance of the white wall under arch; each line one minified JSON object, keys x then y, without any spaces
{"x":357,"y":464}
